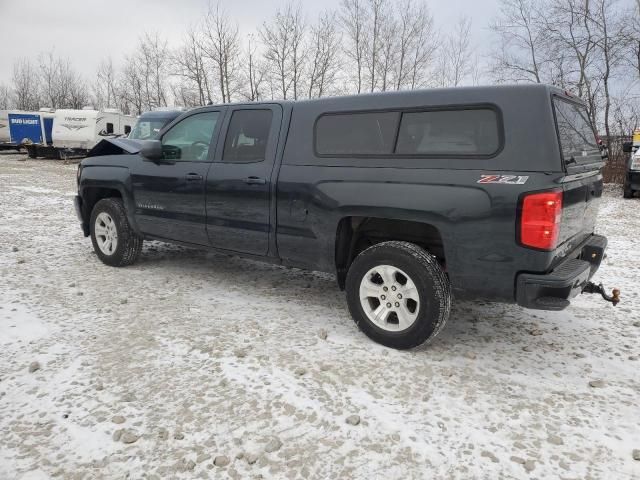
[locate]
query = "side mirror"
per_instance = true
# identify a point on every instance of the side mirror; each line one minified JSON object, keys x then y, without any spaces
{"x":627,"y":147}
{"x":151,"y":149}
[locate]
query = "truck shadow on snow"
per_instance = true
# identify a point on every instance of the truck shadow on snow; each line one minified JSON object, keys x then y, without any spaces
{"x":484,"y":326}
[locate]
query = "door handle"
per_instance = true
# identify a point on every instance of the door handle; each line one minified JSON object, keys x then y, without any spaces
{"x":193,"y":177}
{"x":254,"y":181}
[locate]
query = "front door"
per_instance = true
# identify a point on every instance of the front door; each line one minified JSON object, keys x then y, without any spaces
{"x":170,"y":193}
{"x":239,"y":182}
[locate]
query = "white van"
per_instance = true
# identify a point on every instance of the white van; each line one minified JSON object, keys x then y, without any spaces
{"x":75,"y":132}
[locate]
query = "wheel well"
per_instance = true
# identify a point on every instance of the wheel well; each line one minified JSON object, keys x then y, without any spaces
{"x":355,"y":234}
{"x":91,"y":196}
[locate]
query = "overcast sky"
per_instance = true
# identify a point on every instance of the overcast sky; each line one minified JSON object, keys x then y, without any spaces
{"x":86,"y":31}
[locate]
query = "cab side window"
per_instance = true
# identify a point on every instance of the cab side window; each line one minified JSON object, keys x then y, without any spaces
{"x":190,"y":139}
{"x":247,"y":136}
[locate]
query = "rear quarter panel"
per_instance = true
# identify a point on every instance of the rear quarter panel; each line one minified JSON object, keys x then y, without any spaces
{"x":477,"y":222}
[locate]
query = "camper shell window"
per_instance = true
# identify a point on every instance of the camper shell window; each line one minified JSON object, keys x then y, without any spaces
{"x":347,"y":134}
{"x":109,"y":127}
{"x":449,"y":132}
{"x":576,"y":134}
{"x":460,"y":132}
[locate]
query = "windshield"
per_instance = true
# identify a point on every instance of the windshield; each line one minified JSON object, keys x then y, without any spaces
{"x":147,"y":129}
{"x":577,"y":138}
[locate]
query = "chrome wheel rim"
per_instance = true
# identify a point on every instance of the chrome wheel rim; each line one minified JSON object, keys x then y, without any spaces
{"x":106,"y":233}
{"x":389,"y":298}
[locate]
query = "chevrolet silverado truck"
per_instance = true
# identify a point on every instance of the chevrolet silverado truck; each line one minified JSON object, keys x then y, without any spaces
{"x":409,"y":198}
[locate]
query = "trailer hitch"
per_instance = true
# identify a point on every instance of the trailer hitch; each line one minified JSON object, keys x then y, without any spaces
{"x":614,"y":298}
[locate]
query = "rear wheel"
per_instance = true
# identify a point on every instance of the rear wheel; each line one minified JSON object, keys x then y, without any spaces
{"x":114,"y":241}
{"x":398,"y":294}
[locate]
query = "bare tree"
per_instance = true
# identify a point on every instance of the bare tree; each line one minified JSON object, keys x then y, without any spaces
{"x":521,"y":35}
{"x":255,"y":72}
{"x":324,"y":49}
{"x":388,"y":53}
{"x":190,"y":67}
{"x":5,"y":97}
{"x":284,"y":53}
{"x":132,"y":87}
{"x":456,"y":56}
{"x":58,"y":79}
{"x":152,"y":58}
{"x":633,"y":38}
{"x":26,"y":85}
{"x":354,"y":19}
{"x":611,"y":35}
{"x":78,"y":93}
{"x":417,"y":43}
{"x":105,"y":88}
{"x":573,"y":41}
{"x":222,"y":46}
{"x":377,"y":16}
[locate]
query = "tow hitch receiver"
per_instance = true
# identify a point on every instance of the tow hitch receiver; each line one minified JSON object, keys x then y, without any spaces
{"x":614,"y":298}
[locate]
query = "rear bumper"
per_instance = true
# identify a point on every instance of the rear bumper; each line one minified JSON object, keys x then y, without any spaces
{"x":552,"y":291}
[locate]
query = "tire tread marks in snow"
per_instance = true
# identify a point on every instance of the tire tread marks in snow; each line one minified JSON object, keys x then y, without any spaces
{"x":433,"y":286}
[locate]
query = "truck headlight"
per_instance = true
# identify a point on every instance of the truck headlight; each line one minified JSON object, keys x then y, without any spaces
{"x":635,"y":162}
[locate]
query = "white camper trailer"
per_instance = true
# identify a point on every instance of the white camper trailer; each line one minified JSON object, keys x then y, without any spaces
{"x":75,"y":132}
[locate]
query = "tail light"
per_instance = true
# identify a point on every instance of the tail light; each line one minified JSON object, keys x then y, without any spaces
{"x":540,"y":220}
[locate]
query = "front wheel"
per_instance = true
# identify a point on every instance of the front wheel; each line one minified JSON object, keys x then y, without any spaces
{"x":398,"y":294}
{"x":114,"y":241}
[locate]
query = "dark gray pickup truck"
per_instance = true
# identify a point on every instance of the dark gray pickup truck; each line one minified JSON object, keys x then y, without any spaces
{"x":410,"y":198}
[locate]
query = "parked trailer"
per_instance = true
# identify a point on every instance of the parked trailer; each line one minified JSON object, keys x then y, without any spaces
{"x":27,"y":130}
{"x":32,"y":130}
{"x":75,"y":132}
{"x":5,"y":135}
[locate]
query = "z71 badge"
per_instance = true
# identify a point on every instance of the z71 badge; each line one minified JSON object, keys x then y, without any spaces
{"x":504,"y":179}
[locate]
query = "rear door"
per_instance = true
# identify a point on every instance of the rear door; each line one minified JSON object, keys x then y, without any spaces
{"x":239,"y":182}
{"x":583,"y":163}
{"x":170,"y":193}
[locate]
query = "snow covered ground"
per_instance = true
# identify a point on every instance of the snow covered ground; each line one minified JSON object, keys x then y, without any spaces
{"x":197,"y":365}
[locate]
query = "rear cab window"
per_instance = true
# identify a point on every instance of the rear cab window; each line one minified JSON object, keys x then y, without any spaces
{"x":577,"y":138}
{"x":464,"y":132}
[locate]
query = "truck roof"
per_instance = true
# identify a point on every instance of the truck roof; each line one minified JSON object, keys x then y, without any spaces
{"x":433,"y":95}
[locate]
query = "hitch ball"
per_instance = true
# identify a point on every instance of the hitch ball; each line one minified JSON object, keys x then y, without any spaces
{"x":614,"y":298}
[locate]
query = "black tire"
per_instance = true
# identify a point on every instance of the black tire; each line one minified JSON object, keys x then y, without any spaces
{"x":627,"y":191}
{"x":431,"y":282}
{"x":128,"y":245}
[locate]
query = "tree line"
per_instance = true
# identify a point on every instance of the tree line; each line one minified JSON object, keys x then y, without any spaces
{"x":589,"y":47}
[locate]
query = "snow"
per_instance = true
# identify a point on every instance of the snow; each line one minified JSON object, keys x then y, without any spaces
{"x":210,"y":347}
